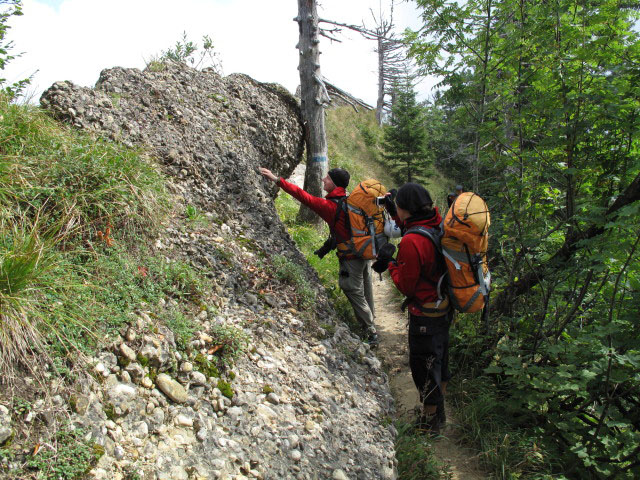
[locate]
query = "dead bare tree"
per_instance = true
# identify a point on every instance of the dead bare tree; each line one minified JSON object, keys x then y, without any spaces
{"x":393,"y":62}
{"x":313,"y":96}
{"x":313,"y":91}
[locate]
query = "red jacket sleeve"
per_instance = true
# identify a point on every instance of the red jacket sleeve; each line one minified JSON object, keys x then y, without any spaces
{"x":326,"y":209}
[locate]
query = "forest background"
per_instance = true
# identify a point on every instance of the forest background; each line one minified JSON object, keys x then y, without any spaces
{"x":538,"y":112}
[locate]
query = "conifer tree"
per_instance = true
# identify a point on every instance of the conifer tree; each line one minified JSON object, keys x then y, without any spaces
{"x":404,"y":137}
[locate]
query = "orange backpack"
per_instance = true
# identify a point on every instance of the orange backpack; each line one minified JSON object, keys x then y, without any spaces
{"x":365,"y":220}
{"x":465,"y":240}
{"x":462,"y":241}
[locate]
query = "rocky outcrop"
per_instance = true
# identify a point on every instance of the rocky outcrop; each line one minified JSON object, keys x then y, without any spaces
{"x":308,"y":400}
{"x":210,"y":133}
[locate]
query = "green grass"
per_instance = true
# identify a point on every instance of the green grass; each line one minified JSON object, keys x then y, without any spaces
{"x":72,"y":208}
{"x":506,"y":452}
{"x":416,"y":458}
{"x":290,"y":272}
{"x":70,"y":458}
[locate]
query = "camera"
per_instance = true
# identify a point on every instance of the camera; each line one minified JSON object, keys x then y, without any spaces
{"x":381,"y":201}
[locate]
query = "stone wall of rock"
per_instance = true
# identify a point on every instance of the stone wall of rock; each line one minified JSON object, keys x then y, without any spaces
{"x":311,"y":401}
{"x":211,"y":133}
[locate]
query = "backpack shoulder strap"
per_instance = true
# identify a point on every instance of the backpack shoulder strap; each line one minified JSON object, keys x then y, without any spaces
{"x":427,"y":232}
{"x":341,"y":203}
{"x":433,"y":235}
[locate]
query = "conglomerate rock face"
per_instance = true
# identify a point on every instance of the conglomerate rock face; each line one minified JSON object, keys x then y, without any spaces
{"x":211,"y":133}
{"x":310,"y":400}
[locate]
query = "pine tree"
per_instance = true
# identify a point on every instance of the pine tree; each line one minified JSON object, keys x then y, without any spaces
{"x":404,"y":137}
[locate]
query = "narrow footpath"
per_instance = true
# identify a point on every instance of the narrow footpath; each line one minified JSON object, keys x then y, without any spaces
{"x":394,"y":354}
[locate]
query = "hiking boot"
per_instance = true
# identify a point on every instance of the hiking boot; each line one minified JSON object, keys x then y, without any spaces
{"x":372,"y":340}
{"x":428,"y":424}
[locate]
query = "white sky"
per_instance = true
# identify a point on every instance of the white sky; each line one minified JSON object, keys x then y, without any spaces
{"x":75,"y":39}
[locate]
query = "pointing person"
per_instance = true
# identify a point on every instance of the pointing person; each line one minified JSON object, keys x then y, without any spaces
{"x":355,"y":278}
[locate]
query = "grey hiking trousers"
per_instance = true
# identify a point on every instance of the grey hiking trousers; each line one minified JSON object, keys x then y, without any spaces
{"x":356,"y":281}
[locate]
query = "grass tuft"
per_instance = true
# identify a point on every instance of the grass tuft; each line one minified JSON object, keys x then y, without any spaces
{"x":416,"y":458}
{"x":65,"y":199}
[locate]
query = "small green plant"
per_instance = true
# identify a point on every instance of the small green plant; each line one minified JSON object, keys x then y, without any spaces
{"x":68,"y":457}
{"x":416,"y":458}
{"x":184,"y":51}
{"x":209,"y":369}
{"x":156,"y":66}
{"x":142,"y":360}
{"x":21,"y":406}
{"x":183,"y":328}
{"x":293,"y":274}
{"x":110,"y":411}
{"x":131,"y":473}
{"x":225,"y":388}
{"x":195,"y":216}
{"x":233,"y":342}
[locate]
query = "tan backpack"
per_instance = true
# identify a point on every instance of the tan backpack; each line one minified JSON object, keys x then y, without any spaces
{"x":365,"y":220}
{"x":465,"y":241}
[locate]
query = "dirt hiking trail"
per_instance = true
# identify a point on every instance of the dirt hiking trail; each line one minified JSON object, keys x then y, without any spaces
{"x":394,"y":354}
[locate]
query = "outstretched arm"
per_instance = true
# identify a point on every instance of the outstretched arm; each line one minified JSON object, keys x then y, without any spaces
{"x":325,"y":208}
{"x":266,"y":173}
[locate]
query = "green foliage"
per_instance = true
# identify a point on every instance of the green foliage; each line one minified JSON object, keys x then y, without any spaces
{"x":10,"y":8}
{"x":232,"y":340}
{"x":183,"y":327}
{"x":184,"y":51}
{"x":416,"y":458}
{"x":28,"y":262}
{"x":72,"y":180}
{"x":20,"y":406}
{"x":196,"y":217}
{"x":203,"y":365}
{"x":75,"y":213}
{"x":225,"y":388}
{"x":68,"y":457}
{"x":541,"y":110}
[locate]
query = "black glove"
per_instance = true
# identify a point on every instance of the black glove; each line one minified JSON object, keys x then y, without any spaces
{"x":328,"y":245}
{"x":390,"y":203}
{"x":385,"y":255}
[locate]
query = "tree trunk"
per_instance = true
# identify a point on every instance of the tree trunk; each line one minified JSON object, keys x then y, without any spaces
{"x":312,"y":95}
{"x":381,"y":83}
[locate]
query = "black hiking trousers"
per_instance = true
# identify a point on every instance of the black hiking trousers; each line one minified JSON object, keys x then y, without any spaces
{"x":429,"y":356}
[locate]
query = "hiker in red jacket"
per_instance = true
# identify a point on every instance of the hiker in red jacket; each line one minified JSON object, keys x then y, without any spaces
{"x":355,"y":278}
{"x":416,"y":273}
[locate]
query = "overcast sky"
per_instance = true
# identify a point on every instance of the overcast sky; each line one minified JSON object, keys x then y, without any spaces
{"x":75,"y":39}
